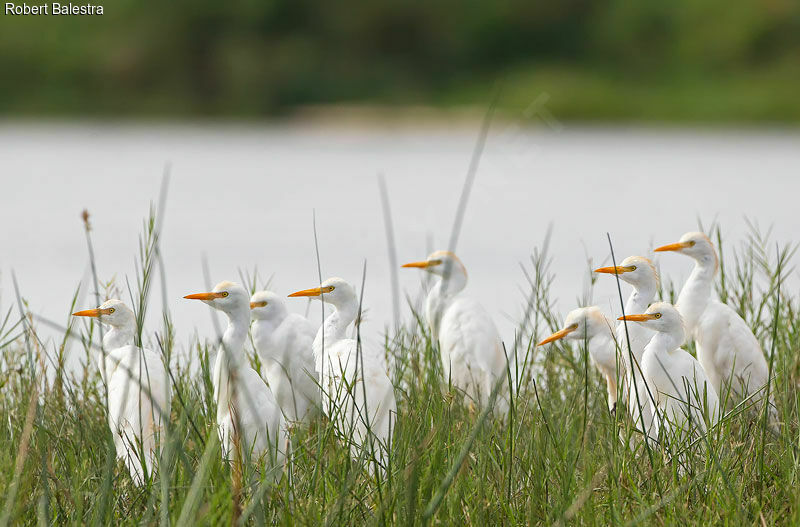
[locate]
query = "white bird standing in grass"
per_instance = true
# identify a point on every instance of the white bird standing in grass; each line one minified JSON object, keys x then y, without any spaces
{"x":642,"y":275}
{"x":471,"y":350}
{"x":139,"y":394}
{"x":247,"y":414}
{"x":686,"y":400}
{"x":726,"y":347}
{"x":357,"y":393}
{"x":284,"y":342}
{"x":589,"y":324}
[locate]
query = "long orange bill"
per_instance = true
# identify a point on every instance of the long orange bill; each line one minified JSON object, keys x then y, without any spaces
{"x":638,"y":318}
{"x":672,"y":247}
{"x":314,"y":291}
{"x":558,"y":335}
{"x":613,"y":270}
{"x":419,"y":265}
{"x":91,"y":313}
{"x":204,"y":296}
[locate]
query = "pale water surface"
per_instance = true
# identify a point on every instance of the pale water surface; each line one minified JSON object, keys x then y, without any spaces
{"x":244,"y":197}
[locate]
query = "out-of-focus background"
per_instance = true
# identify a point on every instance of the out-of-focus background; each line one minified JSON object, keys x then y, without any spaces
{"x":686,"y":61}
{"x":637,"y":119}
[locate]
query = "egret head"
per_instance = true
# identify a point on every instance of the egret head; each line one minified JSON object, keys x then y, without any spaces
{"x":661,"y":317}
{"x":112,"y":312}
{"x":266,"y":305}
{"x":335,"y":291}
{"x":695,"y":245}
{"x":581,"y":323}
{"x":226,"y":296}
{"x":636,"y":270}
{"x":441,"y":263}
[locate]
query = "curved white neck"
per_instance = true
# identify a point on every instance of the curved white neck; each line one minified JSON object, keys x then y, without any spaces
{"x":333,"y":329}
{"x":696,"y":292}
{"x":450,"y":285}
{"x":263,"y":328}
{"x":602,"y":340}
{"x":640,"y":299}
{"x":440,"y":296}
{"x":664,"y":342}
{"x":230,"y":357}
{"x":116,"y":337}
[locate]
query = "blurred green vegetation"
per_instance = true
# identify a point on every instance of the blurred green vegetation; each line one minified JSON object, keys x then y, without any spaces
{"x":688,"y":60}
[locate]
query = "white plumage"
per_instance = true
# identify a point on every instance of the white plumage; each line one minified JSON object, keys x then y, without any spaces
{"x":641,"y":274}
{"x":590,"y":325}
{"x":358,"y":395}
{"x":284,"y":342}
{"x":473,"y":358}
{"x":686,"y":401}
{"x":248,"y":415}
{"x":726,"y":347}
{"x":139,"y":394}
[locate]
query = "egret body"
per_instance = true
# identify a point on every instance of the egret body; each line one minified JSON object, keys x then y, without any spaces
{"x":139,"y":394}
{"x":284,"y":342}
{"x":357,"y":393}
{"x":588,"y":324}
{"x":472,"y":353}
{"x":726,"y":347}
{"x":247,"y":412}
{"x":686,"y":401}
{"x":642,"y":275}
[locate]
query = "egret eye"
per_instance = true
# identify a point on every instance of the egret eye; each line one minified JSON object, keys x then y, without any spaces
{"x":692,"y":243}
{"x":111,"y":310}
{"x":657,"y":315}
{"x":224,"y":294}
{"x":633,"y":268}
{"x":328,"y":289}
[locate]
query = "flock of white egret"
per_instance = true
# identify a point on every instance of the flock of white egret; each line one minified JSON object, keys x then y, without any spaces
{"x":664,"y":388}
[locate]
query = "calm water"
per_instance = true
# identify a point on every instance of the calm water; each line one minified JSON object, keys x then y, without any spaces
{"x":244,"y":197}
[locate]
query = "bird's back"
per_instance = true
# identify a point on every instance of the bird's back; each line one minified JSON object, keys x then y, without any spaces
{"x":358,"y":392}
{"x":139,"y":400}
{"x":682,"y":388}
{"x":471,"y":350}
{"x":263,"y":428}
{"x":727,"y":349}
{"x":468,"y":332}
{"x":637,"y":335}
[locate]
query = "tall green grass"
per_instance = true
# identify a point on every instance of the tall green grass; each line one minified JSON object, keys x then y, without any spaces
{"x":557,"y":459}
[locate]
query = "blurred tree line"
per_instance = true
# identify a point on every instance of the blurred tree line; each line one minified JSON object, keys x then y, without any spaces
{"x":252,"y":58}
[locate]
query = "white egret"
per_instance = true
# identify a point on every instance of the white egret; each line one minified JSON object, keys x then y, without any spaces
{"x":247,"y":413}
{"x":686,"y":399}
{"x":471,"y":350}
{"x":642,"y":275}
{"x":139,"y":394}
{"x":589,"y":324}
{"x":726,"y":347}
{"x":284,"y":342}
{"x":357,"y":393}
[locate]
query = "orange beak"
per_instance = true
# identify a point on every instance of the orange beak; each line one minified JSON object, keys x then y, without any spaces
{"x":419,"y":265}
{"x":673,"y":247}
{"x":638,"y":318}
{"x":204,"y":296}
{"x":613,"y":270}
{"x":558,"y":335}
{"x":315,"y":291}
{"x":254,"y":305}
{"x":91,"y":313}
